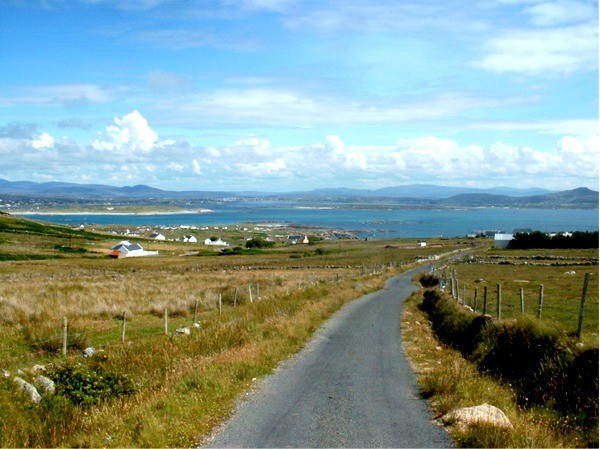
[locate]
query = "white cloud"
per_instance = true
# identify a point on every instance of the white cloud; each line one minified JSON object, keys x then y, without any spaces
{"x":561,"y":12}
{"x":43,"y":141}
{"x":129,"y":134}
{"x":546,"y":51}
{"x":60,"y":95}
{"x":196,"y":167}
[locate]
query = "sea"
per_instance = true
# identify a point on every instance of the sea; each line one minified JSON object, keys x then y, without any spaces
{"x":363,"y":222}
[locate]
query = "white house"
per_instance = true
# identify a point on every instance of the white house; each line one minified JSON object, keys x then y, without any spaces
{"x":217,"y":242}
{"x":293,"y":239}
{"x":127,"y":249}
{"x":157,"y":236}
{"x":190,"y":239}
{"x":502,"y":240}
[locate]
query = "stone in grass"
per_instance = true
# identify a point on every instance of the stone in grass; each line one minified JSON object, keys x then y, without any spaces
{"x":45,"y":384}
{"x":183,"y":330}
{"x":28,"y":389}
{"x":479,"y":414}
{"x":89,"y":352}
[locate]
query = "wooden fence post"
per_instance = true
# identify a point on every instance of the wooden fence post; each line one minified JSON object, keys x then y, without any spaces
{"x":586,"y":281}
{"x":498,"y":301}
{"x":235,"y":297}
{"x":195,"y":313}
{"x":475,"y":299}
{"x":484,"y":298}
{"x":522,"y":295}
{"x":166,"y":321}
{"x":64,"y":336}
{"x":250,"y":292}
{"x":540,"y":301}
{"x":123,"y":326}
{"x":220,"y":305}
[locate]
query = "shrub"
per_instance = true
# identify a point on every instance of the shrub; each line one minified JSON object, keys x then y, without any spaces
{"x":87,"y":387}
{"x":258,"y":242}
{"x":429,"y":280}
{"x":50,"y":340}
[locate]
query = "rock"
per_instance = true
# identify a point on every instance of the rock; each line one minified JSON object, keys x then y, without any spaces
{"x":45,"y":384}
{"x":38,"y":369}
{"x":479,"y":414}
{"x":196,"y":325}
{"x":5,"y":373}
{"x":570,"y":272}
{"x":89,"y":352}
{"x":183,"y":330}
{"x":29,"y":389}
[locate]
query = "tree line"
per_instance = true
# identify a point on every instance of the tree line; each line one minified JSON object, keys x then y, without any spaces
{"x":538,"y":239}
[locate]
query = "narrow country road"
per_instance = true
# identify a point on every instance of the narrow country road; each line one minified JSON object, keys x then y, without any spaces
{"x":351,"y":386}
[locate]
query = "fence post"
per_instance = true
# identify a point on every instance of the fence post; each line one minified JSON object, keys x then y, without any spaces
{"x":195,"y":313}
{"x":522,"y":294}
{"x":235,"y":297}
{"x":250,"y":292}
{"x":64,"y":336}
{"x":123,"y":326}
{"x":541,"y":301}
{"x":475,"y":299}
{"x":166,"y":321}
{"x":220,"y":304}
{"x":484,"y":298}
{"x":498,"y":301}
{"x":586,"y":281}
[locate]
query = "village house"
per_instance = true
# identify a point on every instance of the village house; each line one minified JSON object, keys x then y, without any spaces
{"x":127,"y":249}
{"x":294,"y":239}
{"x":502,"y":240}
{"x":188,"y":239}
{"x":217,"y":242}
{"x":157,"y":236}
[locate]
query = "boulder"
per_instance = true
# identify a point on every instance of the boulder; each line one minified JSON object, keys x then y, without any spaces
{"x":479,"y":414}
{"x":45,"y":384}
{"x":183,"y":330}
{"x":89,"y":352}
{"x":28,"y":389}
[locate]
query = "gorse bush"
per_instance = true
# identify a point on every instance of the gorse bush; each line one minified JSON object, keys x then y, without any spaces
{"x":86,"y":387}
{"x":541,"y":363}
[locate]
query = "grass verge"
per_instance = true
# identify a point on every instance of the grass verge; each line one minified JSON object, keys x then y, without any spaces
{"x":449,"y":381}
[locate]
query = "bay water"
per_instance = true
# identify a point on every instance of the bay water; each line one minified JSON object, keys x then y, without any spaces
{"x":364,"y":222}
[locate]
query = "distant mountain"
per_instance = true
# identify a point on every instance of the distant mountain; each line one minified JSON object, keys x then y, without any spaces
{"x":580,"y":198}
{"x":417,"y":195}
{"x":428,"y":191}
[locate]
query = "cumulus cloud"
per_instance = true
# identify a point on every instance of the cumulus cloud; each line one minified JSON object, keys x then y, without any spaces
{"x":43,"y":141}
{"x":129,"y":134}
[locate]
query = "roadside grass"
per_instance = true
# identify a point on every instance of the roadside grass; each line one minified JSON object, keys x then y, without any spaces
{"x":449,"y":381}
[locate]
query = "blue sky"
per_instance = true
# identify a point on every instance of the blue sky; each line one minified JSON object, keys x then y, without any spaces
{"x":285,"y":95}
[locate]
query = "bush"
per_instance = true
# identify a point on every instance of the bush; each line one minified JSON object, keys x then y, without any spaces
{"x":258,"y":242}
{"x":429,"y":280}
{"x":87,"y":387}
{"x":538,"y":360}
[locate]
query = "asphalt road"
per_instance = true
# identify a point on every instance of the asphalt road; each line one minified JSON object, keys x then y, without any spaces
{"x":351,"y":386}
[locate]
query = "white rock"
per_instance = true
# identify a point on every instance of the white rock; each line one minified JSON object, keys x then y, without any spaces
{"x":45,"y":384}
{"x":29,"y":389}
{"x":89,"y":352}
{"x":38,"y":369}
{"x":479,"y":414}
{"x":196,"y":325}
{"x":183,"y":330}
{"x":5,"y":373}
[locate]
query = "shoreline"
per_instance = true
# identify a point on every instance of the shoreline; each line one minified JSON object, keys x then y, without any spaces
{"x":182,"y":212}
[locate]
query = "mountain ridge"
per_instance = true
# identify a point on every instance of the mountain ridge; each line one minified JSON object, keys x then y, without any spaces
{"x":413,"y":195}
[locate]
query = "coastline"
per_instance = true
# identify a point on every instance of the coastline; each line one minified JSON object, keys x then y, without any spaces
{"x":108,"y":212}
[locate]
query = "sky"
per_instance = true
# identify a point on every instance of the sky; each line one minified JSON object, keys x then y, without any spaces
{"x":295,"y":95}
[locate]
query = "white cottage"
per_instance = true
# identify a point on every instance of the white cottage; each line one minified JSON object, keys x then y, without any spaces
{"x":502,"y":240}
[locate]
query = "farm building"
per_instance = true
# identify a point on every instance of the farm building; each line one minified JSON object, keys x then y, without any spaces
{"x":127,"y":249}
{"x":502,"y":240}
{"x":294,"y":239}
{"x":217,"y":242}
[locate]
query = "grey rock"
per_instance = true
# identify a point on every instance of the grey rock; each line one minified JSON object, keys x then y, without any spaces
{"x":89,"y":352}
{"x":45,"y":384}
{"x":479,"y":414}
{"x":29,"y":390}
